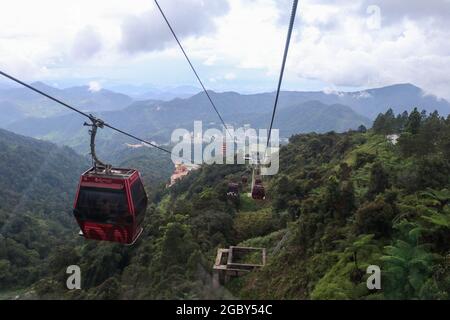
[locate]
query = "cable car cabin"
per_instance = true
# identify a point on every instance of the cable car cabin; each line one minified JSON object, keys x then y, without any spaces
{"x":110,"y":206}
{"x":233,"y":190}
{"x":258,"y":192}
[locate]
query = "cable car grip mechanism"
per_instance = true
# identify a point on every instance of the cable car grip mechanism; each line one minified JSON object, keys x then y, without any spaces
{"x":96,"y":123}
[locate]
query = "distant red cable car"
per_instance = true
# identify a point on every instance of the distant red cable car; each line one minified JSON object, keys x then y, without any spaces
{"x":233,"y":190}
{"x":258,"y":192}
{"x":110,"y":205}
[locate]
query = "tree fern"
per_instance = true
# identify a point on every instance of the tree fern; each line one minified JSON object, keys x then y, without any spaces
{"x":407,"y":264}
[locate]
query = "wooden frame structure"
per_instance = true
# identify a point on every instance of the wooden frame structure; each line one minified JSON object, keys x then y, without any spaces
{"x":228,"y":263}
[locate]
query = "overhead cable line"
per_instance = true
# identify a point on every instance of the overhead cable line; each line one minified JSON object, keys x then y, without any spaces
{"x":44,"y":94}
{"x":89,"y":116}
{"x":280,"y":80}
{"x":192,"y":67}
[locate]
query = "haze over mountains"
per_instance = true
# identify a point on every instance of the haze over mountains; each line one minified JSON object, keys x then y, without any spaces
{"x":25,"y":103}
{"x":25,"y":112}
{"x":149,"y":92}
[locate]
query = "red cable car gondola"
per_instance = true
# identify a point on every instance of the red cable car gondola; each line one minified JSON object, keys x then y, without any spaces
{"x":258,"y":190}
{"x":233,"y":190}
{"x":110,"y":203}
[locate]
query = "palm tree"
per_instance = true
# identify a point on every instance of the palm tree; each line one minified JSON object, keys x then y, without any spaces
{"x":440,"y":220}
{"x":408,"y":265}
{"x":362,"y":243}
{"x":440,"y":198}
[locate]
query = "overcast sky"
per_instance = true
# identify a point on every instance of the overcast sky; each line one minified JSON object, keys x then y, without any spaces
{"x":236,"y":44}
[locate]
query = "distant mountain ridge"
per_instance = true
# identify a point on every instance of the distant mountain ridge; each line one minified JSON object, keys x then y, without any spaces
{"x":313,"y":116}
{"x":141,"y":92}
{"x":30,"y":104}
{"x":170,"y":93}
{"x":399,"y":97}
{"x":298,"y":112}
{"x":156,"y":120}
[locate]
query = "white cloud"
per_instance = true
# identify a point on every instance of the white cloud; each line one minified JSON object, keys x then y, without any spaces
{"x":230,"y":76}
{"x":332,"y":44}
{"x":148,"y":31}
{"x":350,"y":54}
{"x":95,"y":86}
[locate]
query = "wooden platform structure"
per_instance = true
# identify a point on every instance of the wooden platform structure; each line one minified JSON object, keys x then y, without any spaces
{"x":232,"y":262}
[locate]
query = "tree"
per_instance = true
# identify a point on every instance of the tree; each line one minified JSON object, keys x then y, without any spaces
{"x":440,"y":198}
{"x":347,"y":199}
{"x":362,"y":129}
{"x":332,"y":195}
{"x":414,"y":122}
{"x":379,"y":180}
{"x":400,"y":121}
{"x":408,"y":264}
{"x":385,"y":123}
{"x":108,"y":290}
{"x":375,"y":218}
{"x":379,"y":124}
{"x":177,"y":244}
{"x":429,"y":134}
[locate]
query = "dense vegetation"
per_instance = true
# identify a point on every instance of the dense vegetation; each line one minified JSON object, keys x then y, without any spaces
{"x":358,"y":200}
{"x":37,"y":181}
{"x":340,"y":202}
{"x":37,"y":184}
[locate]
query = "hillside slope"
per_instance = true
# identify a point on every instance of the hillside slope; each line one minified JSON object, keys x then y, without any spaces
{"x":37,"y":186}
{"x":341,"y":202}
{"x":156,"y":120}
{"x":38,"y":181}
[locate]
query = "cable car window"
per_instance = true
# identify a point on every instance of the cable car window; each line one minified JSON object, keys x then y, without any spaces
{"x":101,"y":205}
{"x":139,"y":197}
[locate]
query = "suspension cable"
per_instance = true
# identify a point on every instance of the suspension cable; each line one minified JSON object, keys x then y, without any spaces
{"x":192,"y":66}
{"x":280,"y":80}
{"x":44,"y":94}
{"x":89,"y":116}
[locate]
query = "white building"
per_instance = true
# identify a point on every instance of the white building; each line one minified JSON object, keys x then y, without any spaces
{"x":393,"y":138}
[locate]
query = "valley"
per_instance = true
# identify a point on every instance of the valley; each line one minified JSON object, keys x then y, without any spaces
{"x":338,"y":196}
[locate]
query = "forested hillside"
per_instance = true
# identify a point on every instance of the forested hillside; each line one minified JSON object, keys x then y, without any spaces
{"x":37,"y":185}
{"x":38,"y":181}
{"x":341,"y":202}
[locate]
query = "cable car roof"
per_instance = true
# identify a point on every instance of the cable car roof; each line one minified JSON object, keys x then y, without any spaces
{"x":116,"y":173}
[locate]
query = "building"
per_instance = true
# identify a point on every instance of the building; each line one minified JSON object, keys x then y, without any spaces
{"x":393,"y":138}
{"x":181,"y":170}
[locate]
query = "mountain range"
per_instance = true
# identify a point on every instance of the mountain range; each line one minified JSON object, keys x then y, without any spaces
{"x":152,"y":92}
{"x":298,"y":112}
{"x":26,"y":103}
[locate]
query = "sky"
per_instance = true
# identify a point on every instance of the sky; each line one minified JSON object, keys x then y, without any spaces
{"x":235,"y":44}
